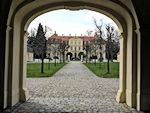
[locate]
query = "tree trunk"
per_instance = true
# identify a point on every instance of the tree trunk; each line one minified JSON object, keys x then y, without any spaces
{"x":55,"y":62}
{"x":42,"y":66}
{"x":111,"y":56}
{"x":63,"y":57}
{"x":55,"y":59}
{"x":99,"y":63}
{"x":108,"y":55}
{"x":60,"y":57}
{"x":108,"y":66}
{"x":95,"y":56}
{"x":86,"y":57}
{"x":49,"y":64}
{"x":90,"y":58}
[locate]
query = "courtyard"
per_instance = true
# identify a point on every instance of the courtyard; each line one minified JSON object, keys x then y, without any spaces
{"x":73,"y":89}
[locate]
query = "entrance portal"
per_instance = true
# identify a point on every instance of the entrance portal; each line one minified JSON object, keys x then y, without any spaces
{"x":69,"y":56}
{"x":122,"y":12}
{"x":75,"y":56}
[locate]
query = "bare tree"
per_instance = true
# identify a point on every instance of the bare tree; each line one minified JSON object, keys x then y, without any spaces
{"x":100,"y":40}
{"x":112,"y":42}
{"x":90,"y":51}
{"x":49,"y":51}
{"x":62,"y":48}
{"x":47,"y":31}
{"x":110,"y":37}
{"x":60,"y":51}
{"x":86,"y":48}
{"x":89,"y":32}
{"x":54,"y":48}
{"x":95,"y":47}
{"x":115,"y":45}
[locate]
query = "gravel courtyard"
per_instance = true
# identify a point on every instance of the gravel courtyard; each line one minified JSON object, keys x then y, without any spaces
{"x":73,"y":89}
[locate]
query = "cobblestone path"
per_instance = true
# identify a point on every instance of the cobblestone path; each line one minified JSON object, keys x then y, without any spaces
{"x":73,"y":89}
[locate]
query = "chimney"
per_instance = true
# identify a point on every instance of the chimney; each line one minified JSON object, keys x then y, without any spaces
{"x":81,"y":34}
{"x":62,"y":34}
{"x":69,"y":34}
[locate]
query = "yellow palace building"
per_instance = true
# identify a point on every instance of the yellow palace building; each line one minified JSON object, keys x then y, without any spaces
{"x":77,"y":46}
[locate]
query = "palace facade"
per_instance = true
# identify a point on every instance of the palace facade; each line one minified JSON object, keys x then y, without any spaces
{"x":77,"y":47}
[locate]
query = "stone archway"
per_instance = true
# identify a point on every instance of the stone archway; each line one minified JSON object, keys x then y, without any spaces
{"x":69,"y":54}
{"x":122,"y":13}
{"x":81,"y":54}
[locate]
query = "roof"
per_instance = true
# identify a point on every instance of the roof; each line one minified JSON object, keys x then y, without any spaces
{"x":66,"y":38}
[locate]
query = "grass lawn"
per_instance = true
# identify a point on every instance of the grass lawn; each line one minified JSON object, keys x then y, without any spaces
{"x":34,"y":69}
{"x":102,"y":72}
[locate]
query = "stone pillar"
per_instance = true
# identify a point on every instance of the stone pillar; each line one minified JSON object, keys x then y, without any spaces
{"x":138,"y":94}
{"x":23,"y":90}
{"x":8,"y":69}
{"x":131,"y":68}
{"x":121,"y":95}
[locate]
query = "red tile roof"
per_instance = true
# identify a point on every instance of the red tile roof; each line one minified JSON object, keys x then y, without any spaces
{"x":66,"y":38}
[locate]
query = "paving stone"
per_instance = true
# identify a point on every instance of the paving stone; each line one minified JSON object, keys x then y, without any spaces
{"x":73,"y":89}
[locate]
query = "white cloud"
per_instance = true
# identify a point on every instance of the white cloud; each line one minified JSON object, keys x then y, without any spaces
{"x":70,"y":28}
{"x":98,"y":16}
{"x":62,"y":27}
{"x":91,"y":14}
{"x":58,"y":23}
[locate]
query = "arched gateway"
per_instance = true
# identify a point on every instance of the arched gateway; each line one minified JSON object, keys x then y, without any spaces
{"x":23,"y":12}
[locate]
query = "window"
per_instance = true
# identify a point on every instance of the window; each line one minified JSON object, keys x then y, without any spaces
{"x":75,"y":42}
{"x":79,"y":42}
{"x":79,"y":48}
{"x":75,"y":48}
{"x":71,"y":47}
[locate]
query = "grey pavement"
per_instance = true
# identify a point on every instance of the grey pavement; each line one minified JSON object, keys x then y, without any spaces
{"x":73,"y":89}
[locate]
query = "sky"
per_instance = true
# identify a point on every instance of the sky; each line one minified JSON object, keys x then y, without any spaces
{"x":66,"y":22}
